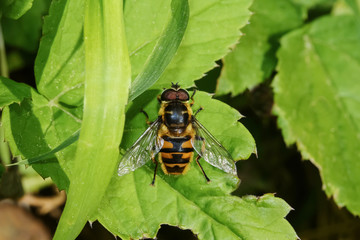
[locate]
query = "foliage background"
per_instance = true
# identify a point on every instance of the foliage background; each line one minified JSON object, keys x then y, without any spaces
{"x":247,"y":80}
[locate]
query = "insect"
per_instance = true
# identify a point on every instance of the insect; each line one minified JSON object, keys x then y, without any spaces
{"x":175,"y":135}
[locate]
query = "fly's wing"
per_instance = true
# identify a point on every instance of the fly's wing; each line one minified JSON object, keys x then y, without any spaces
{"x":211,"y":150}
{"x":146,"y":147}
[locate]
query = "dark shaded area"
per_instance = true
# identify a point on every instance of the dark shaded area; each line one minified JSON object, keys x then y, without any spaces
{"x":169,"y":232}
{"x":25,"y":73}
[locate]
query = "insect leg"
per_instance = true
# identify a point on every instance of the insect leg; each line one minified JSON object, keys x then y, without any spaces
{"x":192,"y":98}
{"x":156,"y":165}
{"x":197,"y":161}
{"x":147,"y":117}
{"x":201,"y":108}
{"x":153,"y":181}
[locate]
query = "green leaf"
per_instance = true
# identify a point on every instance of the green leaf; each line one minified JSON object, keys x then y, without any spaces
{"x":213,"y":27}
{"x":317,"y":101}
{"x":60,"y":63}
{"x":14,"y":8}
{"x":24,"y":33}
{"x":133,"y":209}
{"x":164,"y":50}
{"x":37,"y":122}
{"x":211,"y":214}
{"x":11,"y":91}
{"x":253,"y":59}
{"x":47,"y":121}
{"x":107,"y":81}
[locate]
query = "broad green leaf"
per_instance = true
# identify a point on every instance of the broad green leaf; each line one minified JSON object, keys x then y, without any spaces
{"x":164,"y":50}
{"x":107,"y":82}
{"x":317,"y":101}
{"x":24,"y":33}
{"x":60,"y":63}
{"x":133,"y":209}
{"x":45,"y":125}
{"x":14,"y":8}
{"x":253,"y":59}
{"x":213,"y":27}
{"x":57,"y":114}
{"x":11,"y":91}
{"x":31,"y":129}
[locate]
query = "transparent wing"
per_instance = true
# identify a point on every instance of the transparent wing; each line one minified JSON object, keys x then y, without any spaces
{"x":146,"y":147}
{"x":211,"y":150}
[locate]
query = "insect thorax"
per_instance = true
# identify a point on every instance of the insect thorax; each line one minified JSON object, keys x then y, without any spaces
{"x":176,"y":116}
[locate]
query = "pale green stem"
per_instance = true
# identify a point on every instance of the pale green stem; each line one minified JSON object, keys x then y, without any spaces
{"x":4,"y":71}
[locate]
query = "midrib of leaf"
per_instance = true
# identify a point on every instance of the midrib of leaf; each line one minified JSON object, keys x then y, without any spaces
{"x":66,"y":112}
{"x":107,"y":80}
{"x":54,"y":102}
{"x":341,"y":107}
{"x":194,"y":14}
{"x":143,"y":45}
{"x":62,"y":93}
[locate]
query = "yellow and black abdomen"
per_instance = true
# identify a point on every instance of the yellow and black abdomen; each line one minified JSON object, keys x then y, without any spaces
{"x":176,"y":154}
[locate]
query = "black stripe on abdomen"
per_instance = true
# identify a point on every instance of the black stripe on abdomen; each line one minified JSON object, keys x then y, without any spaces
{"x":176,"y":158}
{"x":177,"y":145}
{"x":175,"y":169}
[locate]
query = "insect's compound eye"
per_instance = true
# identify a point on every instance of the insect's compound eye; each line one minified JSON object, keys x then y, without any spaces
{"x":183,"y":95}
{"x":170,"y":95}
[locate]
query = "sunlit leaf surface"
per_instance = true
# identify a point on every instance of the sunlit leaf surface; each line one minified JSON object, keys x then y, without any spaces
{"x":253,"y":59}
{"x":317,"y":101}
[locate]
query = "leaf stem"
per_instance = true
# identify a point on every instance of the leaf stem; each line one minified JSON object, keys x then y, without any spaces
{"x":107,"y":82}
{"x":4,"y":71}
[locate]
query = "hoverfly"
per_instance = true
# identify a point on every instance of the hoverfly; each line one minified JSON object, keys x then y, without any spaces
{"x":176,"y":134}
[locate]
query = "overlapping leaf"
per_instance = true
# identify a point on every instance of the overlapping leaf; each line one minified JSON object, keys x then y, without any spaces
{"x":11,"y":91}
{"x":32,"y":128}
{"x":253,"y":59}
{"x":317,"y":101}
{"x":24,"y":33}
{"x":15,"y":8}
